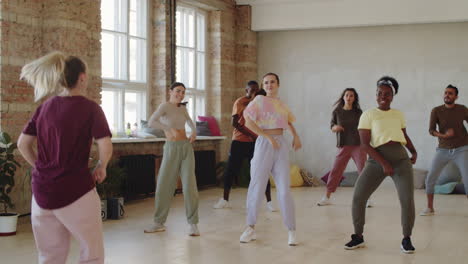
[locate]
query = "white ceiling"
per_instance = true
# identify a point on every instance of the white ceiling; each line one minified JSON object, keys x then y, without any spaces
{"x":268,"y":15}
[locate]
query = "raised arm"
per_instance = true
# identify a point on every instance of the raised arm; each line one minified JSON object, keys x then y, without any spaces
{"x":433,"y":124}
{"x":250,"y":124}
{"x":334,"y":123}
{"x":242,"y":128}
{"x":154,"y":120}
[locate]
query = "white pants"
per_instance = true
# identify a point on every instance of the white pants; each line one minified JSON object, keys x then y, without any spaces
{"x":53,"y":230}
{"x":267,"y":160}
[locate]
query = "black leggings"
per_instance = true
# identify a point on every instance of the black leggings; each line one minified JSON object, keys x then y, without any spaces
{"x":239,"y":151}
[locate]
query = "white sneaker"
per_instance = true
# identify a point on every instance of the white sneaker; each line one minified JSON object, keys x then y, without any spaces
{"x":271,"y":207}
{"x":221,"y":204}
{"x":427,"y":212}
{"x":156,"y":227}
{"x":370,"y":204}
{"x":194,"y":230}
{"x":248,"y":235}
{"x":324,"y":201}
{"x":292,"y":238}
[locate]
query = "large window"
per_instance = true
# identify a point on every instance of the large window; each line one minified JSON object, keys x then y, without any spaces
{"x":191,"y":57}
{"x":124,"y":61}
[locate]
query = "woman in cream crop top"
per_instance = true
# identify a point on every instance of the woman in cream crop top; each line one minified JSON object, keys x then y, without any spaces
{"x":172,"y":116}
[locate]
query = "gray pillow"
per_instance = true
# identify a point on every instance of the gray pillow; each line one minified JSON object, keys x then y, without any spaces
{"x":203,"y":129}
{"x":349,"y":179}
{"x":153,"y":131}
{"x":419,"y":177}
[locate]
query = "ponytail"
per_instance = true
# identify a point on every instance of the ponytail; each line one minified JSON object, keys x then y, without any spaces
{"x":52,"y":73}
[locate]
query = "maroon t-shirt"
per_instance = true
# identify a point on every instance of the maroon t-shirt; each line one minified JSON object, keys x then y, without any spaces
{"x":65,"y":128}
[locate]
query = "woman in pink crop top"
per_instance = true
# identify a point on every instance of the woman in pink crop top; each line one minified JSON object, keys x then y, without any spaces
{"x":267,"y":116}
{"x":65,"y":202}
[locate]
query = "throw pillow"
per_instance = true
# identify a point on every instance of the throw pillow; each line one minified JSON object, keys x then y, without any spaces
{"x":212,"y":124}
{"x":350,"y":179}
{"x":419,"y":178}
{"x":203,"y":129}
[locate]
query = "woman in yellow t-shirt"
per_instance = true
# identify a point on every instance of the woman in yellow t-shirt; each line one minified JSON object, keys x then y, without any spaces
{"x":382,"y":132}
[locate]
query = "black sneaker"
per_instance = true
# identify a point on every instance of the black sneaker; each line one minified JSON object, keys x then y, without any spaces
{"x":407,"y":246}
{"x":356,"y":242}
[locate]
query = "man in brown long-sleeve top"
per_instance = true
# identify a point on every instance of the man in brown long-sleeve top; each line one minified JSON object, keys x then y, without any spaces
{"x":453,"y":142}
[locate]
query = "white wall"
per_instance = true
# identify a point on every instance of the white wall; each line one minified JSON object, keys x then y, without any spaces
{"x":316,"y":65}
{"x":308,"y":14}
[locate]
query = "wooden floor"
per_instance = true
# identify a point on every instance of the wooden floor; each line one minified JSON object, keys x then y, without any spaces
{"x":322,"y":232}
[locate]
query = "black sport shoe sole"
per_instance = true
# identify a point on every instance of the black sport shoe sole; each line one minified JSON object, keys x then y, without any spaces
{"x":355,"y":247}
{"x":406,"y":251}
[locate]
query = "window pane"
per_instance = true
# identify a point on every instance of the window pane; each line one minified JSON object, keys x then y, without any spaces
{"x":200,"y":106}
{"x":137,"y":60}
{"x":179,"y":73}
{"x":201,"y":71}
{"x":190,"y":66}
{"x":137,"y":23}
{"x":109,"y":106}
{"x":190,"y":30}
{"x":185,"y":67}
{"x":179,"y":29}
{"x":190,"y":106}
{"x":135,"y":109}
{"x":201,"y":29}
{"x":114,"y":50}
{"x":114,"y":15}
{"x":130,"y":113}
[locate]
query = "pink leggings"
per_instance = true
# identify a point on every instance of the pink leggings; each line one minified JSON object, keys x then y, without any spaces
{"x":54,"y":228}
{"x":341,"y":161}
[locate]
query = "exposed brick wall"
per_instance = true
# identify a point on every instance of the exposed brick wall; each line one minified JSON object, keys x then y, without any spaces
{"x":246,"y":49}
{"x":160,"y":54}
{"x":74,"y":27}
{"x":32,"y":28}
{"x":21,"y":41}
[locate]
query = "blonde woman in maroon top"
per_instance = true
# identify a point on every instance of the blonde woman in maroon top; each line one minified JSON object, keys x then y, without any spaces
{"x":65,"y":202}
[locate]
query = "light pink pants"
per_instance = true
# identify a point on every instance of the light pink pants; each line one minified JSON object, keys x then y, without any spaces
{"x":54,"y":228}
{"x":341,"y":161}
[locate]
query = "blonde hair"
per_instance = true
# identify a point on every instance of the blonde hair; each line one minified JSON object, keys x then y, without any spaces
{"x":52,"y":73}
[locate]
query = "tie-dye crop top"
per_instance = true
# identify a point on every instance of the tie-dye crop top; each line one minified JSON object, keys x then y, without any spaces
{"x":269,"y":113}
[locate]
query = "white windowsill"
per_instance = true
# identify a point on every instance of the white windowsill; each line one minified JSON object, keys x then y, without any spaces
{"x":144,"y":140}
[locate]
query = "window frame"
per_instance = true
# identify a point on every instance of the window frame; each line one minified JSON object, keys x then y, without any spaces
{"x":125,"y":85}
{"x":195,"y":92}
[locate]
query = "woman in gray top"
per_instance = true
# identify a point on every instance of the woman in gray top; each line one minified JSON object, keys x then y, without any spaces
{"x":344,"y":123}
{"x":178,"y":159}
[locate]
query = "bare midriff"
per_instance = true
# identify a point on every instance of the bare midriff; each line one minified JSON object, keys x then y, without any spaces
{"x":392,"y":143}
{"x":176,"y":135}
{"x":275,"y":131}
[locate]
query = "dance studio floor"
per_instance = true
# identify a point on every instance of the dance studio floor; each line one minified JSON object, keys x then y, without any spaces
{"x":322,"y":232}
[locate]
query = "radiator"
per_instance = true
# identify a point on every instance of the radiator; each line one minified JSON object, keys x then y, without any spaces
{"x":141,"y":175}
{"x":205,"y":168}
